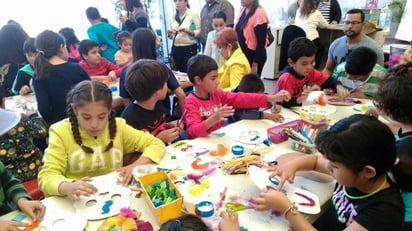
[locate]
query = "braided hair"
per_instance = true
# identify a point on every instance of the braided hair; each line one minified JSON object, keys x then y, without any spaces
{"x":85,"y":92}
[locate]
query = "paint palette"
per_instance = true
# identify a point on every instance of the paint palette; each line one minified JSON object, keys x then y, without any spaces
{"x":334,"y":100}
{"x":306,"y":201}
{"x":246,"y":135}
{"x":108,"y":200}
{"x":320,"y":110}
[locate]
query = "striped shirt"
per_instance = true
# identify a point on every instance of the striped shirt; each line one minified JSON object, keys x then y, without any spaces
{"x":10,"y":191}
{"x":324,"y":8}
{"x":368,"y":87}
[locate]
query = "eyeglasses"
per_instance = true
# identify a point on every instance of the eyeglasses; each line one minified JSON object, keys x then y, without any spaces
{"x":352,"y":22}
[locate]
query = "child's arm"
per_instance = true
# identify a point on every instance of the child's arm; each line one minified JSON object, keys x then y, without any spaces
{"x":327,"y":82}
{"x":289,"y":164}
{"x":278,"y":201}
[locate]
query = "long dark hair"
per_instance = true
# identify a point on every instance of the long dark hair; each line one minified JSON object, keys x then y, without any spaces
{"x":85,"y":92}
{"x":143,"y":44}
{"x":48,"y":44}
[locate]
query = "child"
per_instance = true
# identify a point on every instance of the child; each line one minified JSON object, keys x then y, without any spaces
{"x":144,"y":47}
{"x":92,"y":142}
{"x":393,"y":99}
{"x":18,"y":151}
{"x":54,"y":76}
{"x":13,"y":193}
{"x":309,"y":18}
{"x":359,"y":75}
{"x":235,"y":65}
{"x":124,"y":56}
{"x":146,"y":83}
{"x":94,"y":64}
{"x":364,"y":197}
{"x":208,"y":107}
{"x":218,"y":23}
{"x":300,"y":72}
{"x":252,"y":83}
{"x":24,"y":76}
{"x":72,"y":44}
{"x":229,"y":222}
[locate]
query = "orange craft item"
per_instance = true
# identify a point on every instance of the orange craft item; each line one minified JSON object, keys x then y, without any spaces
{"x":33,"y":226}
{"x":197,"y":166}
{"x":221,"y":150}
{"x":322,"y":100}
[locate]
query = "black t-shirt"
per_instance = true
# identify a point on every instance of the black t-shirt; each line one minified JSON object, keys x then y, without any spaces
{"x":381,"y":211}
{"x":404,"y":152}
{"x":152,"y":121}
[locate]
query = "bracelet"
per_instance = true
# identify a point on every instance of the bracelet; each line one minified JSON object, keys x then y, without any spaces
{"x":293,"y":209}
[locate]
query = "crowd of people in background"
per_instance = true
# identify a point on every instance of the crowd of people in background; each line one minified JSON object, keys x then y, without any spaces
{"x":223,"y":57}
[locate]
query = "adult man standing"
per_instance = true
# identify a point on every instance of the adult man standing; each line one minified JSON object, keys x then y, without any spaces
{"x":206,"y":16}
{"x":353,"y":38}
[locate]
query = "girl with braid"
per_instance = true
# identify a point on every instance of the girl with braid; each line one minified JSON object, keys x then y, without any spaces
{"x":92,"y":142}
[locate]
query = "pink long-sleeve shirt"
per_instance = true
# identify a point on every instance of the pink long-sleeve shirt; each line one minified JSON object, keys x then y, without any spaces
{"x":199,"y":110}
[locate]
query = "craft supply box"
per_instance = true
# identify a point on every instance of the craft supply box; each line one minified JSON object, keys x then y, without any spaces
{"x":164,"y":212}
{"x":277,"y":134}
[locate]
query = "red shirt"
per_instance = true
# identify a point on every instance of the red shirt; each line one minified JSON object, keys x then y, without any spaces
{"x":103,"y":68}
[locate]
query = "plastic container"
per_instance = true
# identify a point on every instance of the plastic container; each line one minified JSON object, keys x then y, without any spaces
{"x":164,"y":212}
{"x":303,"y":147}
{"x":277,"y":134}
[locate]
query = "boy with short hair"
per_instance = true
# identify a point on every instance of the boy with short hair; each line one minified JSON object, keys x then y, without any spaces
{"x":300,"y":73}
{"x":393,"y":99}
{"x":94,"y":64}
{"x":22,"y":82}
{"x":360,"y":73}
{"x":252,"y":83}
{"x":146,"y":83}
{"x":208,"y":107}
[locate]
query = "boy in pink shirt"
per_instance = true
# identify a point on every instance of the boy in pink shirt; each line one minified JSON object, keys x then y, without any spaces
{"x":208,"y":107}
{"x":94,"y":64}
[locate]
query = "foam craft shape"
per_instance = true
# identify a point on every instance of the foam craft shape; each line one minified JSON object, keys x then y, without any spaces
{"x":260,"y":178}
{"x":318,"y":109}
{"x":185,"y":149}
{"x":92,"y":207}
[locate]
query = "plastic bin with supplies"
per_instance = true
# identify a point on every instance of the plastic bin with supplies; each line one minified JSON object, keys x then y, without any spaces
{"x":277,"y":135}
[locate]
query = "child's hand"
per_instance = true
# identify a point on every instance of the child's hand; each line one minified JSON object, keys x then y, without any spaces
{"x":282,"y":95}
{"x":276,"y":108}
{"x":342,"y":92}
{"x":271,"y":200}
{"x":78,"y":188}
{"x":12,"y":225}
{"x":125,"y":174}
{"x":222,"y":113}
{"x":229,"y":222}
{"x":25,"y":90}
{"x":285,"y":172}
{"x":169,"y":135}
{"x":274,"y":117}
{"x":358,"y":93}
{"x":305,"y":94}
{"x":112,"y":76}
{"x":34,"y":209}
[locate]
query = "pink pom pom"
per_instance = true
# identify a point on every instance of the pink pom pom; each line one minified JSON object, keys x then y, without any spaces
{"x":128,"y":212}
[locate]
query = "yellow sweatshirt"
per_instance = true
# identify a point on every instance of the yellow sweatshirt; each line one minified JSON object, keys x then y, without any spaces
{"x":65,"y":161}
